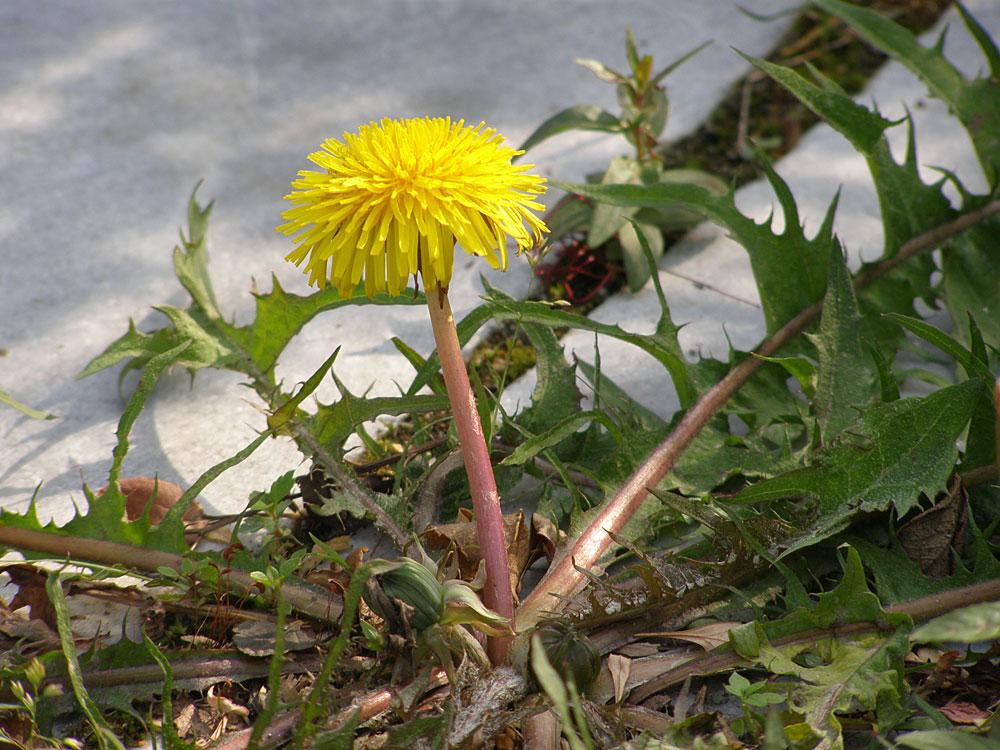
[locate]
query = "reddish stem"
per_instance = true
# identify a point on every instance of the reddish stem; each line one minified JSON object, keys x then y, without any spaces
{"x":565,"y":578}
{"x":485,"y":498}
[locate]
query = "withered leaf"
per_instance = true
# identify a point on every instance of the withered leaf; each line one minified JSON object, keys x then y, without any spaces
{"x":929,"y":538}
{"x":460,"y":539}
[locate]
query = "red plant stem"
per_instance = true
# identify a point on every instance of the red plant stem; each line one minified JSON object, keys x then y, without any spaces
{"x":485,"y":498}
{"x":564,"y":579}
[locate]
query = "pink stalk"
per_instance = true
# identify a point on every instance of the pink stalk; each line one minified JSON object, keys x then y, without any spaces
{"x":567,"y":576}
{"x":485,"y":498}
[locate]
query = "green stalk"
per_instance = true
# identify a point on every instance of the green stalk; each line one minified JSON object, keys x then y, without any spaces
{"x":482,"y":484}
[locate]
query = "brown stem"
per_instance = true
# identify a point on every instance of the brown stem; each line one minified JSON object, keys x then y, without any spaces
{"x":565,"y":578}
{"x":923,"y":608}
{"x":304,"y":598}
{"x":482,"y":485}
{"x":334,"y":469}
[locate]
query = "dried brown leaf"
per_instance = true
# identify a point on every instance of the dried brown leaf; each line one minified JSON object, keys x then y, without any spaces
{"x":964,"y":712}
{"x":461,"y":541}
{"x":620,"y":668}
{"x":929,"y":538}
{"x":709,"y":636}
{"x":31,"y":594}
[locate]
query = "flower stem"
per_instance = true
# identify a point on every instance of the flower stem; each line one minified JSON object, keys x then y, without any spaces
{"x":485,"y":498}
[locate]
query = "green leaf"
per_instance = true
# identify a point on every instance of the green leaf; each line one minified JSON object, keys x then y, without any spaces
{"x":334,"y":423}
{"x":800,"y":368}
{"x":104,"y":517}
{"x":847,"y":381}
{"x":975,"y":103}
{"x":677,"y":63}
{"x":864,"y":672}
{"x":662,"y":345}
{"x":637,"y":270}
{"x":977,"y":623}
{"x":280,"y":315}
{"x":556,"y":395}
{"x":607,"y":219}
{"x":714,"y":456}
{"x":600,"y":70}
{"x":581,"y":117}
{"x":906,"y":449}
{"x":559,"y":432}
{"x":105,"y":736}
{"x":970,"y":278}
{"x":6,"y":398}
{"x":899,"y":579}
{"x":908,"y":205}
{"x":191,"y":258}
{"x":945,"y":739}
{"x":973,"y":366}
{"x":615,"y":400}
{"x":790,"y":270}
{"x":280,"y":417}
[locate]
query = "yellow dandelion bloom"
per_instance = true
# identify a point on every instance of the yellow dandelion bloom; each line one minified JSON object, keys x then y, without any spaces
{"x":394,"y":198}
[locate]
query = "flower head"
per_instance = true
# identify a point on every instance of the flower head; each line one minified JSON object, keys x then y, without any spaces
{"x":394,"y":197}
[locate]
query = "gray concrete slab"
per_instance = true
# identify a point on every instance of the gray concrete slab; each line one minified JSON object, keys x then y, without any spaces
{"x":110,"y":112}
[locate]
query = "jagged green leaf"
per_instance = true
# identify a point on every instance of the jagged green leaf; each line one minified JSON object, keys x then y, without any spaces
{"x":581,"y":117}
{"x":191,"y":258}
{"x":662,"y":345}
{"x":556,"y":395}
{"x":847,"y":380}
{"x":280,"y":315}
{"x":282,"y":415}
{"x":970,"y":280}
{"x":789,"y":269}
{"x":832,"y":676}
{"x":715,"y":455}
{"x":897,"y":578}
{"x":559,"y":432}
{"x":908,"y":205}
{"x":975,"y":103}
{"x":334,"y":423}
{"x":903,"y":449}
{"x":105,"y":516}
{"x":980,"y":449}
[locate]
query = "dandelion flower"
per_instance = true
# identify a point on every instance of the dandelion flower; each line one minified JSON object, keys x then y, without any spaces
{"x":394,"y":198}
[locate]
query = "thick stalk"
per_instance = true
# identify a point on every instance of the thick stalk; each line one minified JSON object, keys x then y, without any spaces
{"x":566,"y":578}
{"x":482,"y":485}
